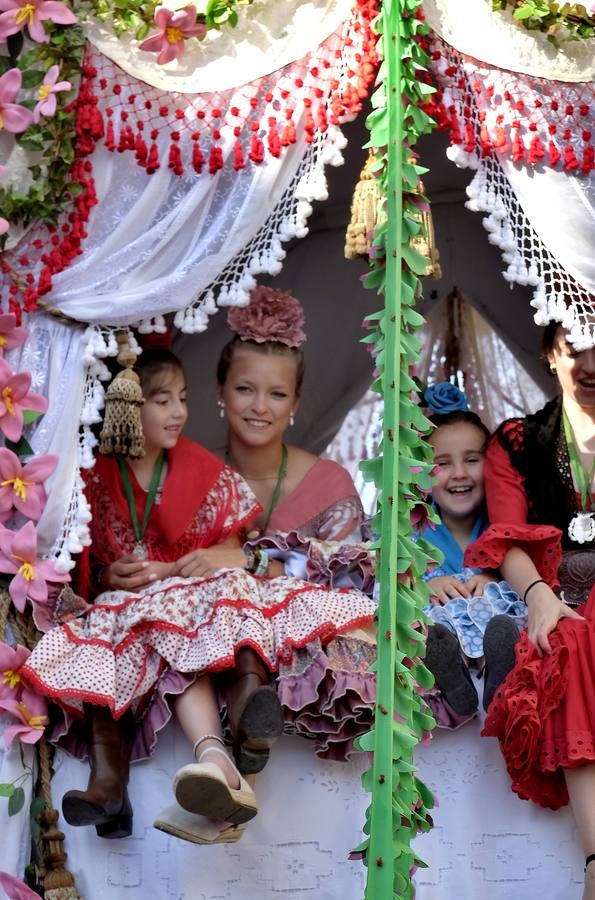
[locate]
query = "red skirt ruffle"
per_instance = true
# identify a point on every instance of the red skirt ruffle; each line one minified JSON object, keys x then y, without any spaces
{"x":543,"y":714}
{"x":541,"y":542}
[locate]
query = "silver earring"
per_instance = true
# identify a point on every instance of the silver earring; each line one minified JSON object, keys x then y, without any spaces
{"x":553,"y":370}
{"x":291,"y":419}
{"x":221,"y":406}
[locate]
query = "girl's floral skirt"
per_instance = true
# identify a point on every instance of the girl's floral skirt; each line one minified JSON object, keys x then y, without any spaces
{"x":131,"y":650}
{"x":544,"y":712}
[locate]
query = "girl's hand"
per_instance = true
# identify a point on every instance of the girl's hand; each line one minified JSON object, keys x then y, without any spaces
{"x":204,"y":563}
{"x":445,"y":588}
{"x":130,"y":573}
{"x":477,"y":583}
{"x":545,"y":611}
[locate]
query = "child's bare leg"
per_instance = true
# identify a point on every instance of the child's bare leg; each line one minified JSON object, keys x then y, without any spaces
{"x":198,"y":713}
{"x":581,"y":789}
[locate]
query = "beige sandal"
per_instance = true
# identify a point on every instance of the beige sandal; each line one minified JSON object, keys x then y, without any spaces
{"x":202,"y":788}
{"x":197,"y":829}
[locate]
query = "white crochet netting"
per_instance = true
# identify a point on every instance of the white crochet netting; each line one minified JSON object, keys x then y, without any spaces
{"x":542,"y":219}
{"x":167,"y":242}
{"x":160,"y":243}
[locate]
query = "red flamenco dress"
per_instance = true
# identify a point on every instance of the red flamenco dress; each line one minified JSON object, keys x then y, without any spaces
{"x":130,"y":651}
{"x":544,"y":712}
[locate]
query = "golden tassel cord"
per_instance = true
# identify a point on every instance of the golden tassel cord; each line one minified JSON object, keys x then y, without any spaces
{"x":122,"y":430}
{"x":364,"y":213}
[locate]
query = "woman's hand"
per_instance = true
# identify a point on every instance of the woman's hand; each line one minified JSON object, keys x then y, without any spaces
{"x":204,"y":563}
{"x":129,"y":573}
{"x":545,"y":611}
{"x":446,"y":587}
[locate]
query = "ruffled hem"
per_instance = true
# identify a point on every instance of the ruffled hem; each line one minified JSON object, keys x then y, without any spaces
{"x":543,"y":713}
{"x":117,"y":654}
{"x":69,"y":732}
{"x":468,"y":617}
{"x":543,"y":543}
{"x":443,"y":712}
{"x":330,"y":564}
{"x":331,"y":697}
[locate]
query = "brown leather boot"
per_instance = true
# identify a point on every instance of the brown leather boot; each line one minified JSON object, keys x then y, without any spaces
{"x":254,"y":711}
{"x":105,"y":803}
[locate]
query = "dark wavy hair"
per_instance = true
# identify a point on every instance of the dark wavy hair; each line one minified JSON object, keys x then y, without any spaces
{"x":460,"y":415}
{"x":267,"y":348}
{"x":155,"y":368}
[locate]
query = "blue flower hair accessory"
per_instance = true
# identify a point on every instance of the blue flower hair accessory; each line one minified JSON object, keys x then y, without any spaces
{"x":444,"y":397}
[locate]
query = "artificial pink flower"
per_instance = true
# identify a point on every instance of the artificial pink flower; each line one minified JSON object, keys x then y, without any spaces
{"x":173,"y":27}
{"x":15,"y":889}
{"x":21,"y":487}
{"x":13,"y":118}
{"x":16,"y":14}
{"x":18,"y":557}
{"x":11,"y":660}
{"x":32,"y":712}
{"x":14,"y":398}
{"x":46,"y":93}
{"x":4,"y":224}
{"x":11,"y":335}
{"x":271,"y":315}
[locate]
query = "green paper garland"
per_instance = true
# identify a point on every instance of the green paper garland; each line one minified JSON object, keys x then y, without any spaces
{"x":403,"y":472}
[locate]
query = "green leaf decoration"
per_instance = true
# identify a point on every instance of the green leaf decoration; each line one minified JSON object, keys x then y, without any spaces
{"x":21,"y":448}
{"x":6,"y":790}
{"x":31,"y":415}
{"x":400,"y":805}
{"x":16,"y":801}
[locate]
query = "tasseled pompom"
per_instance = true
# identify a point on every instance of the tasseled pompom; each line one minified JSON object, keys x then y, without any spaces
{"x":122,"y":430}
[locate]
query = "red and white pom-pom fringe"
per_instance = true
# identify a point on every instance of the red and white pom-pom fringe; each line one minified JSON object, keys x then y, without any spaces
{"x":532,"y":121}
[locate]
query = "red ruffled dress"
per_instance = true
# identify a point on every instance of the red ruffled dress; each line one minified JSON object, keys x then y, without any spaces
{"x":544,"y":712}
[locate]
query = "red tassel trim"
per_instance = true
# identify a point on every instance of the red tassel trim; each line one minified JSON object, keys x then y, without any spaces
{"x":554,"y":154}
{"x":215,"y":160}
{"x":238,"y":156}
{"x":198,"y":159}
{"x":536,"y":151}
{"x":570,"y":160}
{"x":588,"y":159}
{"x":256,"y":149}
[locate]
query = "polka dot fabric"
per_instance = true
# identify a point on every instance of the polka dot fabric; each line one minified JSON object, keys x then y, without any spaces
{"x":116,"y":655}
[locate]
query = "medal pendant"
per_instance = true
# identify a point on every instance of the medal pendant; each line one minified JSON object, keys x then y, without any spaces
{"x":140,"y":551}
{"x":582,"y":528}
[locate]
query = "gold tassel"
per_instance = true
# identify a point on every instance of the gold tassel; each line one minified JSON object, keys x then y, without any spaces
{"x":364,"y":213}
{"x":425,"y":241}
{"x":122,"y":431}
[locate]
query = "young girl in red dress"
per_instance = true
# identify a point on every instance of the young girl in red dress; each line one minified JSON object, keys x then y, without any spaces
{"x":161,"y":625}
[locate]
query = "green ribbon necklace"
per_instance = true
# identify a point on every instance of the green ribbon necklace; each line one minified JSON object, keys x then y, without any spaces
{"x":581,"y":478}
{"x":277,"y":491}
{"x":140,"y":549}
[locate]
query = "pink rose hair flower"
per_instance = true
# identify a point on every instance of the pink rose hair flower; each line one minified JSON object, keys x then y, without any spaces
{"x":11,"y":660}
{"x":174,"y":28}
{"x":11,"y":335}
{"x":31,"y":711}
{"x":16,"y":14}
{"x":46,"y":93}
{"x":14,"y":398}
{"x":13,"y":118}
{"x":21,"y":487}
{"x":18,"y":557}
{"x":271,"y":315}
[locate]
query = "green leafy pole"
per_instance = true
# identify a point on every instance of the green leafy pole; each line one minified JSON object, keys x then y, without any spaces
{"x":402,"y":473}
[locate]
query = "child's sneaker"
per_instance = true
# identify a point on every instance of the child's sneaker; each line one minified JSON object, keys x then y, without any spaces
{"x":499,"y":641}
{"x":445,"y":661}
